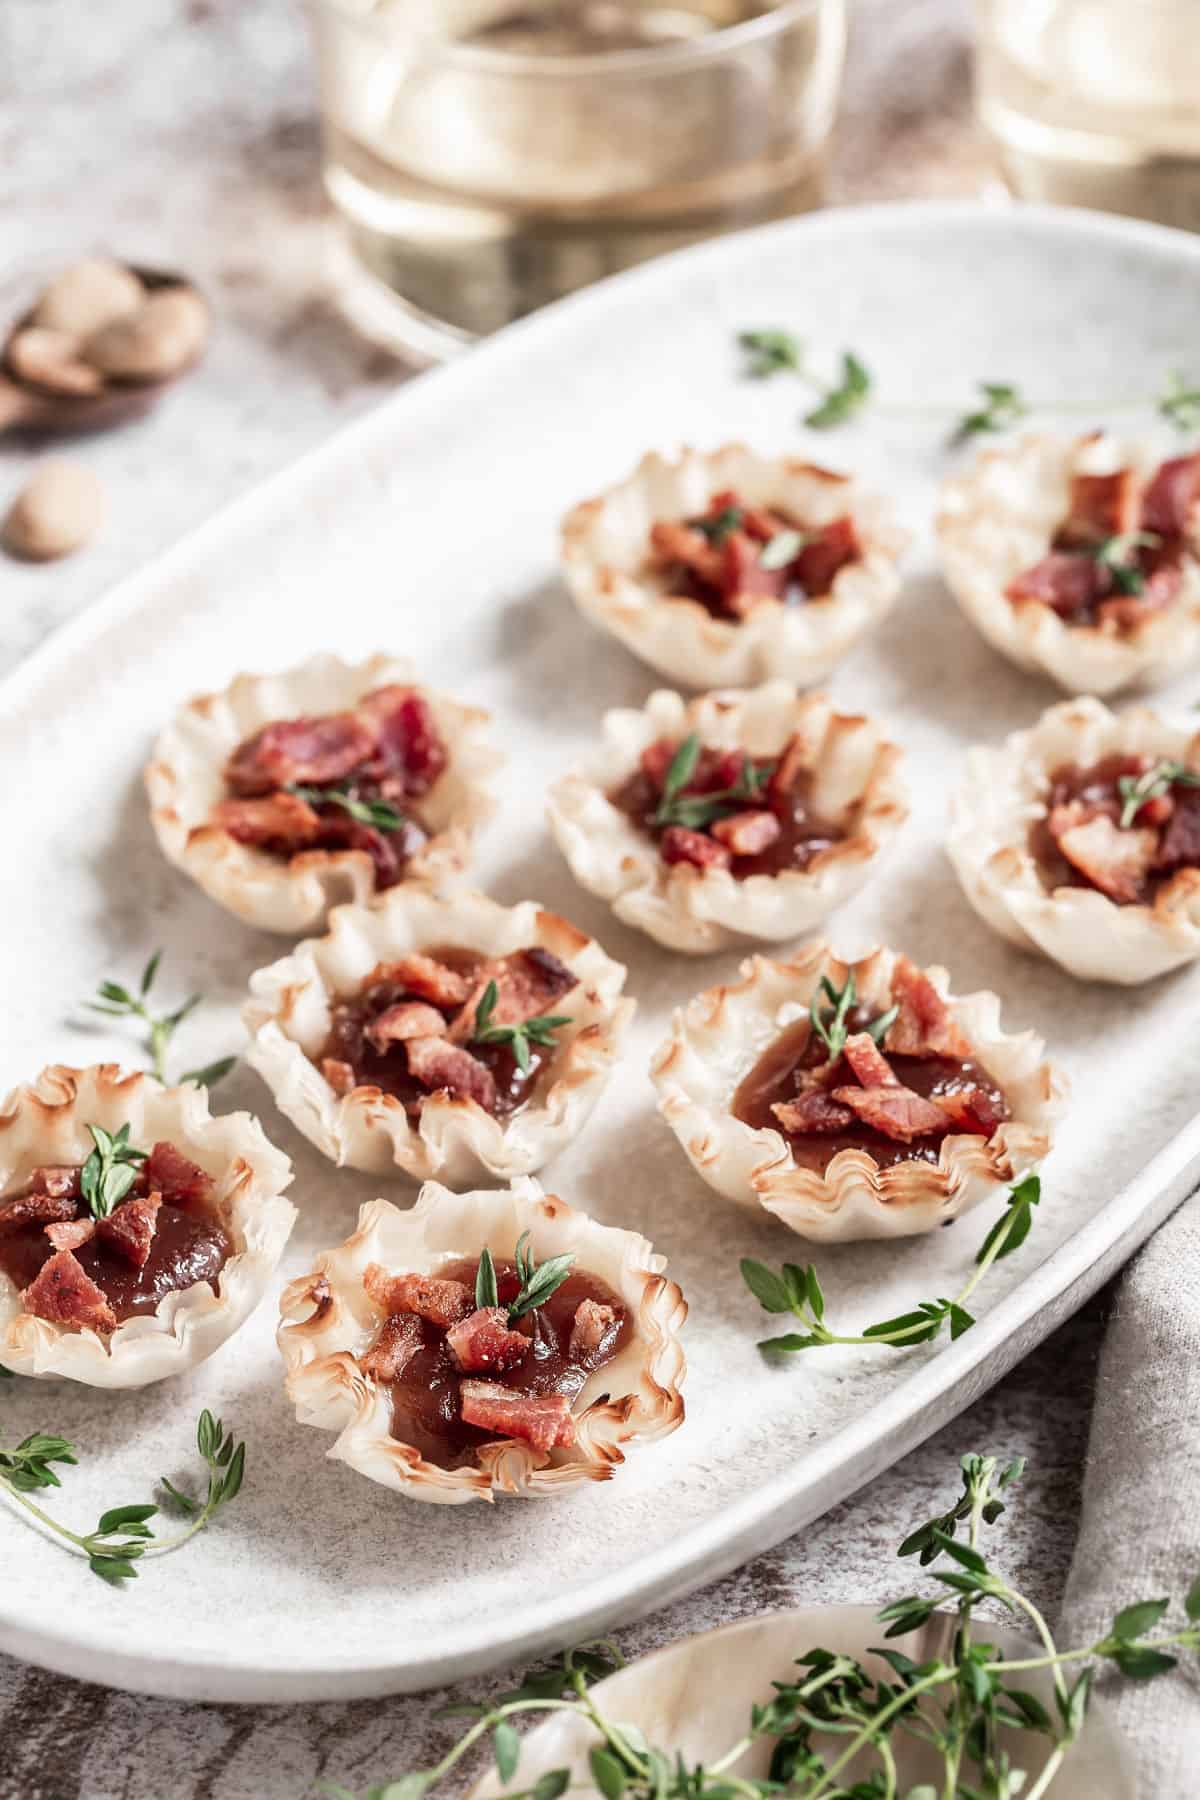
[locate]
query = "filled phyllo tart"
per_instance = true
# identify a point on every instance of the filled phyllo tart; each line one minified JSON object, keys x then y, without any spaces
{"x":137,"y":1232}
{"x":854,"y":1099}
{"x":727,"y":568}
{"x":1078,"y":557}
{"x":328,"y":782}
{"x":742,"y":815}
{"x":439,"y":1034}
{"x":1081,"y":838}
{"x":486,"y":1343}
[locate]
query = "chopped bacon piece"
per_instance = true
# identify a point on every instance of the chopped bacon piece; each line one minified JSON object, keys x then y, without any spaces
{"x":744,"y":581}
{"x":973,"y":1109}
{"x":895,"y":1111}
{"x":674,"y":542}
{"x":63,"y":1293}
{"x":1064,"y":581}
{"x":277,"y":818}
{"x":1101,"y":506}
{"x":813,"y":1112}
{"x":410,"y":1019}
{"x":483,"y":1341}
{"x":35,"y":1209}
{"x":679,"y":845}
{"x":871,"y":1067}
{"x":793,"y":763}
{"x":527,"y":984}
{"x":543,"y":1420}
{"x":340,"y":1075}
{"x":398,"y":1341}
{"x":1179,"y":846}
{"x":441,"y":1066}
{"x":1172,"y":500}
{"x":1115,"y":861}
{"x":747,"y":833}
{"x":923,"y":1026}
{"x":168,"y":1172}
{"x":131,"y":1228}
{"x":825,"y":554}
{"x":58,"y":1179}
{"x":71,"y":1235}
{"x":426,"y":979}
{"x":407,"y":740}
{"x":443,"y":1303}
{"x":592,"y":1331}
{"x":656,"y":759}
{"x":316,"y":751}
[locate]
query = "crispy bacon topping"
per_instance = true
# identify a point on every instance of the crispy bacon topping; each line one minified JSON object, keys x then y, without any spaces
{"x":167,"y":1171}
{"x":721,"y":554}
{"x":894,"y":1110}
{"x":870,"y":1065}
{"x":424,"y":978}
{"x":593,"y":1330}
{"x":63,"y":1293}
{"x":407,"y":742}
{"x":747,"y":833}
{"x":543,"y":1420}
{"x":35,"y":1209}
{"x":825,"y":554}
{"x":923,"y":1026}
{"x":973,"y":1110}
{"x":398,"y":1341}
{"x":679,"y":845}
{"x":443,"y":1067}
{"x":57,"y":1179}
{"x":443,"y":1303}
{"x":306,"y":751}
{"x":279,"y":819}
{"x":813,"y":1111}
{"x":130,"y":1229}
{"x":1115,"y":861}
{"x":527,"y":984}
{"x":483,"y":1341}
{"x":72,"y":1235}
{"x":408,"y":1019}
{"x":1064,"y":581}
{"x":1172,"y":500}
{"x":1179,"y":847}
{"x":1100,"y":506}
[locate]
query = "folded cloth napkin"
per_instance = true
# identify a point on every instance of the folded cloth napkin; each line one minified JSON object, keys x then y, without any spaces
{"x":1139,"y":1536}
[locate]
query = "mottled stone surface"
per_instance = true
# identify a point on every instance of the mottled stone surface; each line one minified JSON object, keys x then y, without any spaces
{"x":184,"y":134}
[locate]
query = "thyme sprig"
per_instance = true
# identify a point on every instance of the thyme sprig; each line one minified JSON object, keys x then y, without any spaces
{"x":1135,"y":790}
{"x":122,"y":1535}
{"x":845,"y":399}
{"x":110,"y":1170}
{"x":716,"y":527}
{"x":833,"y":1716}
{"x":538,"y":1280}
{"x":797,"y":1290}
{"x":117,"y":1002}
{"x":832,"y":1027}
{"x":1116,"y":554}
{"x":380,"y":815}
{"x":538,"y":1030}
{"x":695,"y":812}
{"x":770,"y":352}
{"x":1003,"y":407}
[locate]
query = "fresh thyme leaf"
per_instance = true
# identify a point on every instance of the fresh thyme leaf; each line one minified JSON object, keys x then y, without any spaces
{"x":538,"y":1030}
{"x":782,"y":549}
{"x":1114,"y":554}
{"x":717,"y":528}
{"x":1180,"y":403}
{"x":149,"y":972}
{"x":1013,"y":1226}
{"x":378,"y":814}
{"x":538,"y":1280}
{"x":695,"y":812}
{"x":1135,"y":790}
{"x":1003,"y":406}
{"x":486,"y":1291}
{"x":506,"y":1748}
{"x":110,"y":1170}
{"x":682,"y":768}
{"x":770,"y":352}
{"x":846,"y":399}
{"x":116,"y":1002}
{"x":831,"y":1027}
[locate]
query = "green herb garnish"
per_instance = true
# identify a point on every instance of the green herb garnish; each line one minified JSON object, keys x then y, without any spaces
{"x":118,"y":1003}
{"x":110,"y":1170}
{"x":538,"y":1281}
{"x":845,"y":399}
{"x":697,"y":811}
{"x":539,"y":1030}
{"x":770,"y":353}
{"x":718,"y":526}
{"x":1135,"y":790}
{"x":1114,"y":554}
{"x":1180,"y":403}
{"x":1003,"y":407}
{"x":378,"y":814}
{"x":831,"y":1028}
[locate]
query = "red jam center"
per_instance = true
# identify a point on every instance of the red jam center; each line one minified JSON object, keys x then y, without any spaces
{"x":1124,"y":825}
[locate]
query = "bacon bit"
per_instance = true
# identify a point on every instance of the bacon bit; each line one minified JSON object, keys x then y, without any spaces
{"x":1101,"y":506}
{"x":1171,"y":501}
{"x":679,"y":845}
{"x":813,"y":1113}
{"x":673,"y":542}
{"x":313,"y":751}
{"x":527,"y":984}
{"x":426,"y":979}
{"x":1064,"y":581}
{"x":168,"y":1172}
{"x":444,"y":1067}
{"x":747,"y":833}
{"x":1157,"y":810}
{"x":592,"y":1331}
{"x":974,"y":1110}
{"x":399,"y":1339}
{"x":894,"y":1110}
{"x":825,"y":554}
{"x":543,"y":1420}
{"x":1179,"y":847}
{"x":870,"y":1065}
{"x":59,"y":1179}
{"x":744,"y":581}
{"x":407,"y":740}
{"x":71,"y":1235}
{"x":131,"y":1228}
{"x":340,"y":1075}
{"x":35,"y":1209}
{"x":410,"y":1019}
{"x":443,"y":1303}
{"x":283,"y":819}
{"x":1115,"y":861}
{"x":924,"y":1026}
{"x":63,"y":1293}
{"x":484,"y":1341}
{"x":792,"y":764}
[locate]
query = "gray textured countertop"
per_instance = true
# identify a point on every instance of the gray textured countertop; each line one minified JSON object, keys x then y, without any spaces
{"x":182,"y":132}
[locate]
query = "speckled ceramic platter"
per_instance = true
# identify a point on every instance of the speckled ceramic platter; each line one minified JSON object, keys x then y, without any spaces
{"x":430,"y":530}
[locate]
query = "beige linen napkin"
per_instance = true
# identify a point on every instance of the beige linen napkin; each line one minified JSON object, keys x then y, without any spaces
{"x":1139,"y":1535}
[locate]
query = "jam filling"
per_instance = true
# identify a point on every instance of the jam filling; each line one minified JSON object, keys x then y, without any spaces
{"x":733,"y":556}
{"x":76,"y":1270}
{"x":1124,"y":825}
{"x":460,"y":1376}
{"x":450,"y":1021}
{"x":344,"y":781}
{"x":1118,"y":556}
{"x":751,"y":815}
{"x":895,"y":1086}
